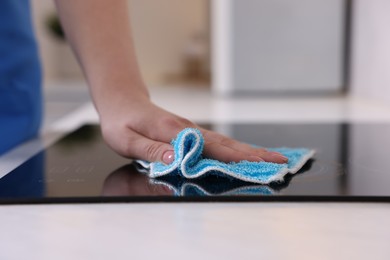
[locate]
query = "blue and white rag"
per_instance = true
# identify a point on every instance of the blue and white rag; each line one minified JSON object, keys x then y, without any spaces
{"x":189,"y":162}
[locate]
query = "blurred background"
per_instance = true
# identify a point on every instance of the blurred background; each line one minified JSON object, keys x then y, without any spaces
{"x":255,"y":47}
{"x":171,"y":37}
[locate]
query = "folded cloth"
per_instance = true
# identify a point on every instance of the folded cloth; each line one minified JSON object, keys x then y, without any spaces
{"x":189,"y":162}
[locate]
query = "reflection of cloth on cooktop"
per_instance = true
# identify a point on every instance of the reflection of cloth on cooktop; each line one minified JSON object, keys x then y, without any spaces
{"x":223,"y":187}
{"x":190,"y":163}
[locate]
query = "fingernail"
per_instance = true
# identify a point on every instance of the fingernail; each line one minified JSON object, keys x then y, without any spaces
{"x":253,"y":158}
{"x":279,"y":156}
{"x":168,"y":157}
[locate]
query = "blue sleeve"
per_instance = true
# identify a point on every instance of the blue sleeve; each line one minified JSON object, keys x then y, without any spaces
{"x":20,"y":75}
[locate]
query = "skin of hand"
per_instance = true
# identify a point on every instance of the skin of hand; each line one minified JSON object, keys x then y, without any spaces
{"x":100,"y":34}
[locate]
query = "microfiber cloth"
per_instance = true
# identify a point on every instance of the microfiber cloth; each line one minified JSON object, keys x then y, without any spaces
{"x":191,"y":164}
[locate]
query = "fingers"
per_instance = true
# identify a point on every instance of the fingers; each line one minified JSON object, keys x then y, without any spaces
{"x":227,"y":154}
{"x":148,"y":136}
{"x":217,"y":147}
{"x":165,"y":128}
{"x":152,"y":151}
{"x":229,"y":150}
{"x":136,"y":146}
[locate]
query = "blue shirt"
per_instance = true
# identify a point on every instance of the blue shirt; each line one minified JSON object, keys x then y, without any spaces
{"x":20,"y":75}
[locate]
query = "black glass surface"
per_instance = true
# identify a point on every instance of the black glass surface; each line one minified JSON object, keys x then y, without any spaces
{"x":351,"y":164}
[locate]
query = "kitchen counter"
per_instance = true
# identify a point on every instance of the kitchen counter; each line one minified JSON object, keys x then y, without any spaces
{"x":201,"y":230}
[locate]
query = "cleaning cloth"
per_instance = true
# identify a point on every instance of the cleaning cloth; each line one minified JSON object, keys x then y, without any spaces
{"x":191,"y":164}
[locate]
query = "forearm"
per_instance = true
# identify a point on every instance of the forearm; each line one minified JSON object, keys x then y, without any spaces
{"x":99,"y":32}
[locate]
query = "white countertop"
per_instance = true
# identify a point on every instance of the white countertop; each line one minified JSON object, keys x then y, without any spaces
{"x":202,"y":230}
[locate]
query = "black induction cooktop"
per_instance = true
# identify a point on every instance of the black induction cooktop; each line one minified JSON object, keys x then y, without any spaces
{"x":351,"y":165}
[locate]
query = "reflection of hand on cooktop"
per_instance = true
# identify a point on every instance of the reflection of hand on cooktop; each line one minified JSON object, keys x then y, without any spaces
{"x":127,"y":181}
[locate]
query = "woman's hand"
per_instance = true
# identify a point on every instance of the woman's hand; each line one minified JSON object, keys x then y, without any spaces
{"x":136,"y":128}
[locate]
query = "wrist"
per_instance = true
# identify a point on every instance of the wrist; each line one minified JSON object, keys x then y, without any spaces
{"x":109,"y":99}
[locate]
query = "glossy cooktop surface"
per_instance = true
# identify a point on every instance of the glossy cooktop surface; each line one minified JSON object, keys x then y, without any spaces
{"x":351,"y":164}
